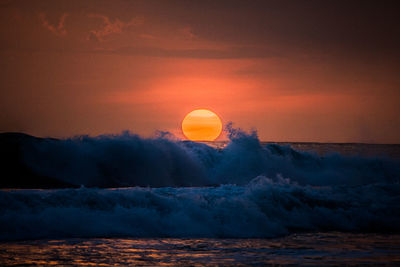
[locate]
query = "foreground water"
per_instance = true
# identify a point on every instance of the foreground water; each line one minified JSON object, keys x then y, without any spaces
{"x":319,"y":249}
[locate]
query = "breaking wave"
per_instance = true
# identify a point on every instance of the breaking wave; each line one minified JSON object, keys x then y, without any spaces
{"x":262,"y":208}
{"x":188,"y":189}
{"x":128,"y":160}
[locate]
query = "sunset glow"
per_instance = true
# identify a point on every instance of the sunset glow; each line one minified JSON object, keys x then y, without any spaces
{"x":76,"y":68}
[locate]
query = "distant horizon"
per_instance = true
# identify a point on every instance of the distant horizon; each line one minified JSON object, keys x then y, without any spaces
{"x":185,"y":139}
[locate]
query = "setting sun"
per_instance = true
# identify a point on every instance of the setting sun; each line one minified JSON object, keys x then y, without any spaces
{"x":201,"y":125}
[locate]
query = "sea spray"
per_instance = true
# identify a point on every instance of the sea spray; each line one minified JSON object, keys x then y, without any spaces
{"x":129,"y":160}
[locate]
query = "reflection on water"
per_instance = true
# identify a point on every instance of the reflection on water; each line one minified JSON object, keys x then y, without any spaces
{"x":306,"y":249}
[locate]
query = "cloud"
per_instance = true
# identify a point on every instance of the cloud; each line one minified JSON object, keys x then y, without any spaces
{"x":59,"y":29}
{"x":147,"y":36}
{"x":226,"y":53}
{"x":110,"y":27}
{"x":187,"y":32}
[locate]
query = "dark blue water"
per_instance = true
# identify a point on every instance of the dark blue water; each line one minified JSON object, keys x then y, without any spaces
{"x":240,"y":202}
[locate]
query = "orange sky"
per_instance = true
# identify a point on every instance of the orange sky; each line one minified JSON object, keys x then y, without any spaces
{"x":293,"y":70}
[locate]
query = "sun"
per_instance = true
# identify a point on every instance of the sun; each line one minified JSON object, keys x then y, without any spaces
{"x":201,"y":125}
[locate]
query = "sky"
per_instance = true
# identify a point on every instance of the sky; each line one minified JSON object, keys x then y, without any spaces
{"x":308,"y":71}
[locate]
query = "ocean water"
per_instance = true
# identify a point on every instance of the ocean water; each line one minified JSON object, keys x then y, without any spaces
{"x":317,"y":249}
{"x":164,"y":201}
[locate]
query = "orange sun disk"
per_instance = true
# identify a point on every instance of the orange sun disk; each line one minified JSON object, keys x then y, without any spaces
{"x":201,"y":125}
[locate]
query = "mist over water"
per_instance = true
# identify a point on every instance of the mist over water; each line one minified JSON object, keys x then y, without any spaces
{"x":189,"y":189}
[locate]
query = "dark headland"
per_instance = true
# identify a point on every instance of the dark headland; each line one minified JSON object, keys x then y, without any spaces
{"x":15,"y":171}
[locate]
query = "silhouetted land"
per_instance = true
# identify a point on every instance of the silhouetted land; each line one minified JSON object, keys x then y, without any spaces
{"x":16,"y":173}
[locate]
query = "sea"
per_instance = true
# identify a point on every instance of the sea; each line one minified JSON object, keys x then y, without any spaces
{"x":150,"y":202}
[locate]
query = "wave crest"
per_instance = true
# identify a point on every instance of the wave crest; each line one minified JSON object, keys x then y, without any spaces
{"x":263,"y":208}
{"x":129,"y":160}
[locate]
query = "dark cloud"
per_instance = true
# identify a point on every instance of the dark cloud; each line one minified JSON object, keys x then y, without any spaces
{"x":361,"y":29}
{"x":304,"y":24}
